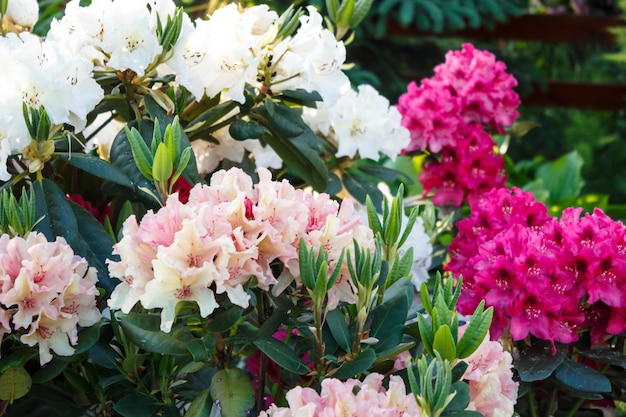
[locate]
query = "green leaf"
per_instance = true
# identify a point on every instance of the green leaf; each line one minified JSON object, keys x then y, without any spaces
{"x":232,"y":390}
{"x":96,"y":166}
{"x":361,"y":8}
{"x":243,"y":130}
{"x":144,"y":331}
{"x":562,"y":178}
{"x":605,"y":355}
{"x":14,"y":383}
{"x":537,"y":362}
{"x":476,"y":330}
{"x":282,"y":355}
{"x":357,"y":366}
{"x":141,"y":154}
{"x":222,"y":320}
{"x":339,"y":329}
{"x":136,"y":405}
{"x":61,"y":217}
{"x":77,"y":381}
{"x":359,"y":187}
{"x":88,"y":337}
{"x":163,"y":166}
{"x":387,"y":321}
{"x":198,"y":350}
{"x":48,"y":372}
{"x":443,"y":343}
{"x":461,"y":399}
{"x":200,"y":406}
{"x":581,"y":377}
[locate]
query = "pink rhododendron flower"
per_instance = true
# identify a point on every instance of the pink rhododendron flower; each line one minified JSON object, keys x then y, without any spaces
{"x":46,"y":292}
{"x":544,"y":277}
{"x":493,"y":392}
{"x":349,"y":398}
{"x":227,"y":233}
{"x":466,"y":170}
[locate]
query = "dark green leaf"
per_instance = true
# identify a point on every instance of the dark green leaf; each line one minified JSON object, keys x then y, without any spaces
{"x":606,"y":355}
{"x":581,"y":377}
{"x":224,"y":319}
{"x":282,"y":355}
{"x":96,"y":166}
{"x":136,"y":405}
{"x":198,"y":350}
{"x":339,"y":329}
{"x":50,"y":371}
{"x":357,"y":366}
{"x":232,"y":390}
{"x":360,"y":187}
{"x":243,"y":130}
{"x":461,"y":399}
{"x":385,"y":174}
{"x":144,"y":331}
{"x":77,"y":381}
{"x":537,"y":362}
{"x":88,"y":337}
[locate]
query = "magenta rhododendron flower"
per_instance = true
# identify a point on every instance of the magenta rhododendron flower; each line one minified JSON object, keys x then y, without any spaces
{"x":351,"y":398}
{"x":447,"y":115}
{"x":46,"y":292}
{"x":227,"y":233}
{"x":546,"y":278}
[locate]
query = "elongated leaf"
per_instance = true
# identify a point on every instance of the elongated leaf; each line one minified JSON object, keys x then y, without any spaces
{"x":581,"y":377}
{"x":96,"y":166}
{"x":222,"y":320}
{"x":606,"y":355}
{"x":144,"y":331}
{"x":360,"y":187}
{"x":443,"y":343}
{"x":136,"y":405}
{"x":562,"y":178}
{"x":388,"y":321}
{"x":357,"y":366}
{"x":476,"y":330}
{"x":339,"y":329}
{"x":232,"y":391}
{"x":200,"y":406}
{"x":282,"y":355}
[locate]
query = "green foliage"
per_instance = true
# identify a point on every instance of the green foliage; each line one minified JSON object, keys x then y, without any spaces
{"x":232,"y":392}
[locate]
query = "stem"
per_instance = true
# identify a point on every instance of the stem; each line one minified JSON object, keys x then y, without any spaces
{"x":532,"y":403}
{"x":575,"y":407}
{"x":261,"y":311}
{"x":552,"y":401}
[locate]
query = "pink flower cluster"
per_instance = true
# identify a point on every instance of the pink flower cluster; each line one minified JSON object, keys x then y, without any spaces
{"x":447,"y":115}
{"x":493,"y":392}
{"x":47,"y":291}
{"x":545,"y":277}
{"x":351,"y":398}
{"x":466,"y":170}
{"x":227,"y":233}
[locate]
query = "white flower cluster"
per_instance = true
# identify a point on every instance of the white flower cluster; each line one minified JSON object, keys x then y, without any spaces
{"x":360,"y":122}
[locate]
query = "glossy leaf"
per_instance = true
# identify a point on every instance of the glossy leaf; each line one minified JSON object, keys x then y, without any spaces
{"x":96,"y":166}
{"x":357,"y":366}
{"x":282,"y":355}
{"x":232,"y":390}
{"x":443,"y":343}
{"x":537,"y":362}
{"x":136,"y":405}
{"x":200,"y":406}
{"x":581,"y":377}
{"x":144,"y":331}
{"x":339,"y":329}
{"x":562,"y":178}
{"x":606,"y":355}
{"x":360,"y":188}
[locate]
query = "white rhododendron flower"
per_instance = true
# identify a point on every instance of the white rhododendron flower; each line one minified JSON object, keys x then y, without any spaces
{"x":42,"y":73}
{"x":130,"y":44}
{"x":23,"y":12}
{"x":360,"y":122}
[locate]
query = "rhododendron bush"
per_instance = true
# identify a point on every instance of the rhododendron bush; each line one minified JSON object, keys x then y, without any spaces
{"x":200,"y":215}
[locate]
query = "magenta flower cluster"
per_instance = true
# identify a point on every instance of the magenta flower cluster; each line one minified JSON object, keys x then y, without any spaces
{"x":545,"y":277}
{"x":447,"y":114}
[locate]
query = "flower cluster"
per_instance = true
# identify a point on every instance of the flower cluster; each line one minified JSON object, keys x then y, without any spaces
{"x":350,"y":398}
{"x":114,"y":40}
{"x":466,"y":170}
{"x":493,"y":391}
{"x":447,"y":115}
{"x":360,"y":122}
{"x":47,"y":292}
{"x":227,"y":233}
{"x":544,"y":277}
